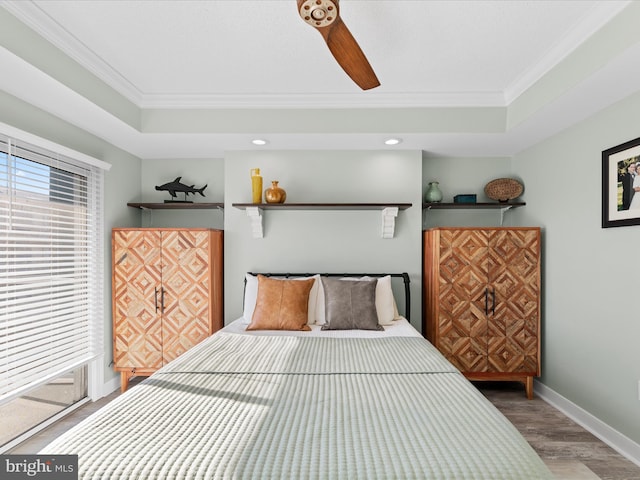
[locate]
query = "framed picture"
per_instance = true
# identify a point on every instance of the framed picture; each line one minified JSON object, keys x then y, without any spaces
{"x":620,"y":200}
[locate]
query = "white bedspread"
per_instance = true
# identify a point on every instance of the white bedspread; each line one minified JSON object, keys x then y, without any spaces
{"x":288,"y":407}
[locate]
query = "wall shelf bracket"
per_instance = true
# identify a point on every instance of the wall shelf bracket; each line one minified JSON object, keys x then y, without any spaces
{"x":389,"y":212}
{"x":389,"y":215}
{"x":255,"y":215}
{"x":502,"y":212}
{"x":502,"y":206}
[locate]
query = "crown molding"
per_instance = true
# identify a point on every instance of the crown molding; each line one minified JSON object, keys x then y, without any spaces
{"x":35,"y":18}
{"x":599,"y":16}
{"x":38,"y":20}
{"x":359,"y":100}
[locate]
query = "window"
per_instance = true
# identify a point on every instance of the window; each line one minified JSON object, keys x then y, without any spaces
{"x":51,"y":266}
{"x":23,"y":416}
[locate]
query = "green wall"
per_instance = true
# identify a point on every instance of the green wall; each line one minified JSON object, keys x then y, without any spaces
{"x":461,"y":176}
{"x":324,"y":241}
{"x":591,"y":321}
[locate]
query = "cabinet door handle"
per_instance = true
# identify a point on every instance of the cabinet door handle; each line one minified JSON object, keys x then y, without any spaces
{"x":486,"y":301}
{"x":155,"y":297}
{"x":162,"y":290}
{"x":493,"y":306}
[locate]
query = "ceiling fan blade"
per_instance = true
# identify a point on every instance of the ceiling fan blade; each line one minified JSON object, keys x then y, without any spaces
{"x":324,"y":16}
{"x":349,"y":55}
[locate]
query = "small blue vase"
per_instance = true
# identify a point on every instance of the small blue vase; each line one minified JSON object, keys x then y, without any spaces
{"x":433,"y":193}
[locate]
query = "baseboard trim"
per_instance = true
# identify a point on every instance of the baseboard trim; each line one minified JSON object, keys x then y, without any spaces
{"x":616,"y":440}
{"x":110,"y":386}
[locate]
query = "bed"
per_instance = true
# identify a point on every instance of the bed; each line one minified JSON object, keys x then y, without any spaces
{"x":315,"y":402}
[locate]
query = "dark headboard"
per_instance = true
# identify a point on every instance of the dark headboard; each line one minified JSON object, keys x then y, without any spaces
{"x":404,"y":276}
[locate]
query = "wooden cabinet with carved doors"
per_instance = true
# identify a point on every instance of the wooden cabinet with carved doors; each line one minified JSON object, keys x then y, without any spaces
{"x":482,"y":300}
{"x":167,"y":295}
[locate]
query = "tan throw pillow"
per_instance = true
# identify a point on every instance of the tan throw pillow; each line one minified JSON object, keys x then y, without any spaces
{"x":281,"y":304}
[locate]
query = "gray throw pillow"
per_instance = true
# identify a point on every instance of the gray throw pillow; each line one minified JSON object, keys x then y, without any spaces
{"x":350,"y":305}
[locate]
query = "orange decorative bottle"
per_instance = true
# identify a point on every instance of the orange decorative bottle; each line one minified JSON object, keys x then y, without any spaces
{"x":275,"y":194}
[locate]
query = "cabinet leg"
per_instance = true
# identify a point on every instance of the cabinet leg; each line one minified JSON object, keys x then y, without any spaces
{"x":124,"y":380}
{"x":528,"y":385}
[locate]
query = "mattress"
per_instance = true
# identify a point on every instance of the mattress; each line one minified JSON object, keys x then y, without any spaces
{"x":302,"y":407}
{"x":398,"y":328}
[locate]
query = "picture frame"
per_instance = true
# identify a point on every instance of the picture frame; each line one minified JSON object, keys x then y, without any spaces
{"x":619,"y":209}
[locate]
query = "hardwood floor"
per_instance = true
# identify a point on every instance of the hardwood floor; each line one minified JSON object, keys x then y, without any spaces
{"x":570,"y":451}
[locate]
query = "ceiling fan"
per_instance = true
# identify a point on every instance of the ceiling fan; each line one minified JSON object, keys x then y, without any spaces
{"x":324,"y":15}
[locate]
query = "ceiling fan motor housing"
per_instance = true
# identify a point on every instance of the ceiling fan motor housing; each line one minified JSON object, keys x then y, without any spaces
{"x":319,"y":13}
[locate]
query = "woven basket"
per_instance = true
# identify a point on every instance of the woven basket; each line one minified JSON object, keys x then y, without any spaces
{"x":503,"y":189}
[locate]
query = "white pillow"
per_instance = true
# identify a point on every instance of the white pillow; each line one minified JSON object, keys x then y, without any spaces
{"x":396,"y":313}
{"x":251,"y":294}
{"x":385,"y":302}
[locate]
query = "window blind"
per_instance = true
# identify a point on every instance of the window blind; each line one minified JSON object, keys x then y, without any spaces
{"x":51,"y":265}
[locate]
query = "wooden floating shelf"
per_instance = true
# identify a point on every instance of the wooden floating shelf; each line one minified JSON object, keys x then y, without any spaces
{"x":176,"y":206}
{"x":321,"y":206}
{"x":485,"y":205}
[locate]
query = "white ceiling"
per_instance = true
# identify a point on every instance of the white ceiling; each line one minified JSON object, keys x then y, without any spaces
{"x":260,"y":54}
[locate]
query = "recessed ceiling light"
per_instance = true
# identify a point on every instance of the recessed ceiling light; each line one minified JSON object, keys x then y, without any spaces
{"x":259,"y":141}
{"x":392,"y":141}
